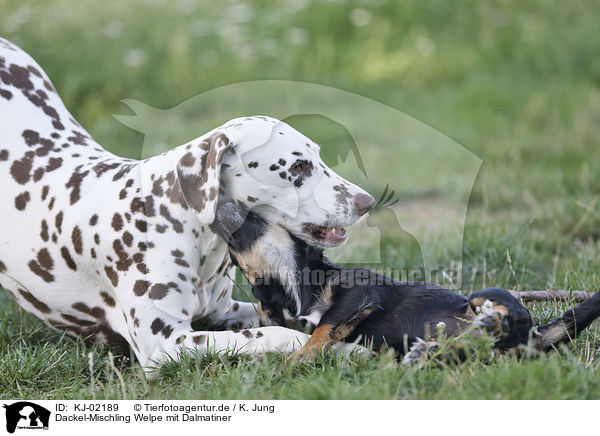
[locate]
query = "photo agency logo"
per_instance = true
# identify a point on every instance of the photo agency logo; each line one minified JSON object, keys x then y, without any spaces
{"x":421,"y":179}
{"x":26,"y":416}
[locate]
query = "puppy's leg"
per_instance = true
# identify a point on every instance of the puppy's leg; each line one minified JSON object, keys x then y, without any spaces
{"x":337,"y":323}
{"x":322,"y":337}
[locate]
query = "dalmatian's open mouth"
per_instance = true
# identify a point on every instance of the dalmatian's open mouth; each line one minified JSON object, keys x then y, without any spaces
{"x":326,"y":236}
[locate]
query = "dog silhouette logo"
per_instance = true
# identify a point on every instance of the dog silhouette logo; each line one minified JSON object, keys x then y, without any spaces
{"x":26,"y":415}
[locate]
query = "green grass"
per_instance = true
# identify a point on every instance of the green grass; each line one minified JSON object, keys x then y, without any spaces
{"x":514,"y":82}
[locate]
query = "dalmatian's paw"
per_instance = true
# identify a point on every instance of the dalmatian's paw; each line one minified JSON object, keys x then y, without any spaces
{"x":419,"y":352}
{"x":286,"y":340}
{"x":349,"y":348}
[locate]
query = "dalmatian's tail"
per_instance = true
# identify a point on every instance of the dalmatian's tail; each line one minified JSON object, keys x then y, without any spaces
{"x":571,"y":324}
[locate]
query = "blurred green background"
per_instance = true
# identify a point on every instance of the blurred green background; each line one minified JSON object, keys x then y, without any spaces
{"x":516,"y":83}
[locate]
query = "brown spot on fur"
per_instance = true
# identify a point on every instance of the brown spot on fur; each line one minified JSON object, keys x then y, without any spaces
{"x":53,"y":164}
{"x":140,"y":287}
{"x":112,"y":275}
{"x":78,"y":321}
{"x":64,"y":251}
{"x":199,"y":340}
{"x":44,"y":232}
{"x":44,"y":259}
{"x":37,"y":269}
{"x":76,"y":238}
{"x":157,"y":325}
{"x":96,"y":312}
{"x":137,"y":205}
{"x":110,"y":301}
{"x":124,"y":261}
{"x":38,"y":174}
{"x":39,"y":305}
{"x":102,"y":167}
{"x":74,"y":184}
{"x":117,"y":222}
{"x":58,"y":221}
{"x":177,"y":225}
{"x":21,"y":200}
{"x":188,"y":160}
{"x":127,"y":239}
{"x":159,"y":291}
{"x":21,"y":169}
{"x":142,"y":226}
{"x":182,"y":263}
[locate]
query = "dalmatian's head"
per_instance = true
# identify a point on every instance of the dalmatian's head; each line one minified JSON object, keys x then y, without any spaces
{"x":264,"y":165}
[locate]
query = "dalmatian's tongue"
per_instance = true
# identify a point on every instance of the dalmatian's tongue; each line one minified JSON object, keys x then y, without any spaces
{"x":328,"y":234}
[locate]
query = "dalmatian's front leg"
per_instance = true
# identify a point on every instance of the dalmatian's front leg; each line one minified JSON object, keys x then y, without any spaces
{"x":159,"y":329}
{"x":229,"y":312}
{"x":252,"y":341}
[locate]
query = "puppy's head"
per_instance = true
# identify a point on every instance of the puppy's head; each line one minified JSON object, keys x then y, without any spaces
{"x":277,"y":264}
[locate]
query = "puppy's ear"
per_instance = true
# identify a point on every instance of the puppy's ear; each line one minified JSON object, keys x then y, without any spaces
{"x":229,"y":218}
{"x":198,"y":173}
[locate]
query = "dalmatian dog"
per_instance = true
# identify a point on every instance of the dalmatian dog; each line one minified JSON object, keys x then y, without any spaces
{"x":98,"y":246}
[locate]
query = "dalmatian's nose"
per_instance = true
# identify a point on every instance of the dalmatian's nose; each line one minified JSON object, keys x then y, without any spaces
{"x":363,"y":203}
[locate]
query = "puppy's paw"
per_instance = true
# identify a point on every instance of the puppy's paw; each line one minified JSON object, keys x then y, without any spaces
{"x":492,"y":317}
{"x":306,"y":354}
{"x":419,"y":352}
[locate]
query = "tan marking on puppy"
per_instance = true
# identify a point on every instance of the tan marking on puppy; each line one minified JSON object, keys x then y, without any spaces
{"x":554,"y":334}
{"x":502,"y":310}
{"x":324,"y":336}
{"x":273,"y":257}
{"x":321,"y":338}
{"x":477,"y":302}
{"x":344,"y":330}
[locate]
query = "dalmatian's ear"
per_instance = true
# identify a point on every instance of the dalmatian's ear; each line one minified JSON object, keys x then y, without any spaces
{"x":198,"y":173}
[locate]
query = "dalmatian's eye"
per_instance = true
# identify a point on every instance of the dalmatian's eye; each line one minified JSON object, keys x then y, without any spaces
{"x":302,"y":167}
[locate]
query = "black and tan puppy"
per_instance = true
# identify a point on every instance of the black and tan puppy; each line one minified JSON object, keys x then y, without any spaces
{"x":295,"y":283}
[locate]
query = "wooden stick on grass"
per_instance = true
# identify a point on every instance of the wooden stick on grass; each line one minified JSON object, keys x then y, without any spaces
{"x":551,"y":295}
